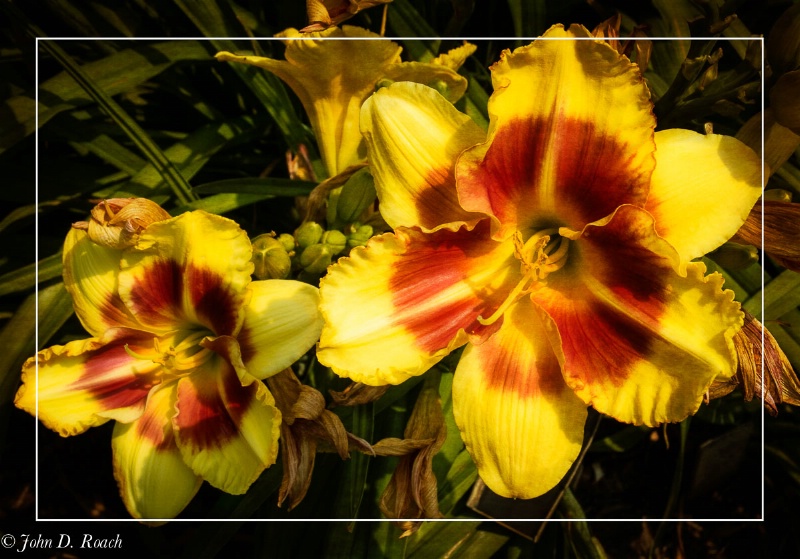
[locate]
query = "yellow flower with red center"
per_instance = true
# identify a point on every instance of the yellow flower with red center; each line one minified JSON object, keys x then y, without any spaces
{"x":557,"y":247}
{"x":182,"y":341}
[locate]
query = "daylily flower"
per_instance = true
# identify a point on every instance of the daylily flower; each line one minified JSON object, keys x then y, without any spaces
{"x":558,"y":248}
{"x":181,"y":342}
{"x":333,"y":77}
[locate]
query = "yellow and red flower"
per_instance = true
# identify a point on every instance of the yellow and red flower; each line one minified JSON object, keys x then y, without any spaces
{"x":557,"y":247}
{"x":182,"y":341}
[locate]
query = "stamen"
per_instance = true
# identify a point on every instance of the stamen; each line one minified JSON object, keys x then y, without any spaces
{"x":132,"y":353}
{"x":512,"y":298}
{"x":535,"y":265}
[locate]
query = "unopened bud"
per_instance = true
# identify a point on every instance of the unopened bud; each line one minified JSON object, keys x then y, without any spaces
{"x":360,"y":236}
{"x":316,"y":259}
{"x":287,"y":241}
{"x":270,"y":258}
{"x":309,"y":233}
{"x":734,"y":256}
{"x":357,"y":194}
{"x":334,"y":240}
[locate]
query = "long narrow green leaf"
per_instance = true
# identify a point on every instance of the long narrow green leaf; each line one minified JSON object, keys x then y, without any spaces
{"x":140,"y":138}
{"x":781,"y":295}
{"x":271,"y":186}
{"x":405,"y":21}
{"x":24,"y":278}
{"x":440,"y":539}
{"x":117,"y":73}
{"x":18,"y":334}
{"x":189,"y":155}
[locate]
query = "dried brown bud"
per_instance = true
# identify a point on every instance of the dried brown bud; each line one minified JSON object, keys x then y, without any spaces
{"x":781,"y":231}
{"x":326,"y":13}
{"x":306,"y":427}
{"x":780,"y":384}
{"x":357,"y":394}
{"x":117,"y":222}
{"x":412,"y":492}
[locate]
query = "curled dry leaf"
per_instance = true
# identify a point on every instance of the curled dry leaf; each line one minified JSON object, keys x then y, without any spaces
{"x":307,"y":428}
{"x":117,"y":222}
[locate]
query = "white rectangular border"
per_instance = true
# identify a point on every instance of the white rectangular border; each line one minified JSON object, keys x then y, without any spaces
{"x":471,"y":39}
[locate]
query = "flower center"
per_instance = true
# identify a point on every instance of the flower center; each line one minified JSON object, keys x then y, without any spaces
{"x":178,"y":355}
{"x":542,"y":254}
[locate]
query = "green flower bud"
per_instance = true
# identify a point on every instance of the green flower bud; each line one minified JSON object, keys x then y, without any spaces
{"x":735,"y":256}
{"x":287,"y":241}
{"x":360,"y":236}
{"x":309,"y":233}
{"x":357,"y":194}
{"x":331,"y":215}
{"x":334,"y":240}
{"x":316,"y":259}
{"x":270,"y":258}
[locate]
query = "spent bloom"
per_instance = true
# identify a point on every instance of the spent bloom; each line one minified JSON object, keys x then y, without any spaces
{"x":332,"y":75}
{"x":182,"y":341}
{"x":557,"y":248}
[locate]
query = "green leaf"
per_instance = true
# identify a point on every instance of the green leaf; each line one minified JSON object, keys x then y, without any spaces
{"x":25,"y":278}
{"x":405,"y":21}
{"x":440,"y":539}
{"x":208,"y":542}
{"x":261,"y":186}
{"x":140,"y":138}
{"x":117,"y":73}
{"x":781,"y":295}
{"x":19,"y":333}
{"x":459,"y":479}
{"x":188,"y":156}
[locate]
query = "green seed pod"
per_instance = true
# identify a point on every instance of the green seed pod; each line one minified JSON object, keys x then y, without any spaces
{"x":309,"y":233}
{"x":357,"y":194}
{"x":270,"y":258}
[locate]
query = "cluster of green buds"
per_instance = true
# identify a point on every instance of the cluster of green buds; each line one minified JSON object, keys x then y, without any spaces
{"x":309,"y":251}
{"x":316,"y":248}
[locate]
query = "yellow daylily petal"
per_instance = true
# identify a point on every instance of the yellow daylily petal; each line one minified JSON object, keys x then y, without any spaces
{"x":702,"y":189}
{"x":446,"y":81}
{"x":413,"y":138}
{"x":455,"y":58}
{"x":281,"y":322}
{"x":397,"y":306}
{"x":522,"y":425}
{"x":227,"y":432}
{"x":91,"y":274}
{"x":187,"y":271}
{"x":636,"y":340}
{"x":332,"y":78}
{"x":153,"y":479}
{"x":87,"y":382}
{"x":570,"y":136}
